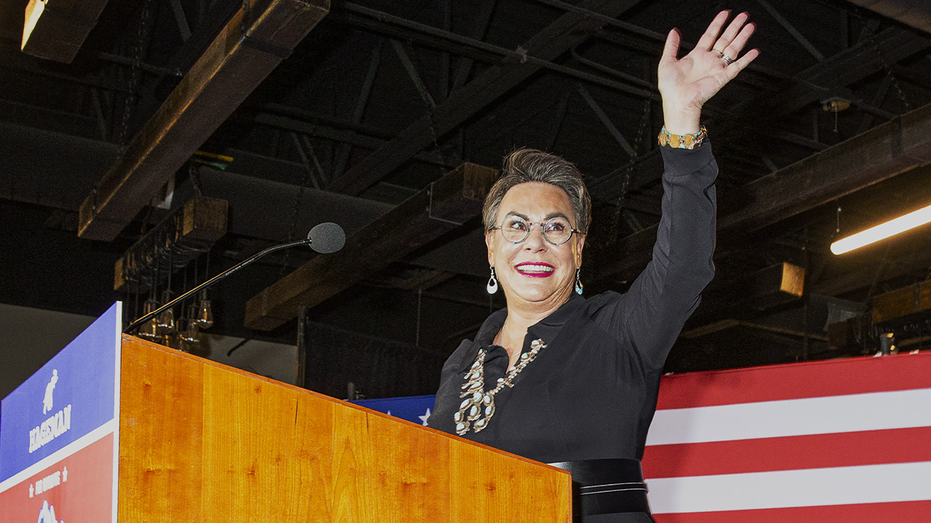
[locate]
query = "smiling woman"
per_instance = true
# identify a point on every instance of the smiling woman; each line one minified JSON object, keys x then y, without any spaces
{"x":572,"y":381}
{"x":536,"y":273}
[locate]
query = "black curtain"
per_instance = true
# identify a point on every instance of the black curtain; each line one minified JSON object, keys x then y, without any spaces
{"x":331,"y":358}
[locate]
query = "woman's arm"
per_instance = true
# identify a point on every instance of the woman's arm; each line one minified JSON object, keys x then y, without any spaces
{"x":664,"y":295}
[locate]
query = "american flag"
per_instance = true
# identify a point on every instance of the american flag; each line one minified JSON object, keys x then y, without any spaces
{"x":839,"y":440}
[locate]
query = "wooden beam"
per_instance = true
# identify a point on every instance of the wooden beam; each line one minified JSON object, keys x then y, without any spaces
{"x":56,"y":29}
{"x":845,"y":68}
{"x":188,"y":233}
{"x":903,"y":303}
{"x":258,"y":37}
{"x":443,"y":205}
{"x":876,"y":155}
{"x":915,"y":14}
{"x":858,"y":278}
{"x":879,"y":154}
{"x":566,"y":32}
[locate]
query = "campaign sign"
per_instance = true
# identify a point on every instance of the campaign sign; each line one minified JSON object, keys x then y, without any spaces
{"x":66,"y":412}
{"x":412,"y":408}
{"x":77,"y":488}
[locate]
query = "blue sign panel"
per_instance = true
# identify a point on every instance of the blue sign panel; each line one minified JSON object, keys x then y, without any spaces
{"x":70,"y":396}
{"x":412,"y":408}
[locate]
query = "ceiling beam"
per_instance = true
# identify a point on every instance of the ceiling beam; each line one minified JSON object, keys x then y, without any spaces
{"x":251,"y":196}
{"x":821,"y":80}
{"x":56,"y":29}
{"x":344,"y":136}
{"x":796,"y":34}
{"x":400,"y":29}
{"x":180,"y":238}
{"x":878,"y":154}
{"x":47,"y":178}
{"x":809,"y":86}
{"x":565,"y":33}
{"x":904,"y":304}
{"x":914,"y":13}
{"x":258,"y":37}
{"x":444,"y":205}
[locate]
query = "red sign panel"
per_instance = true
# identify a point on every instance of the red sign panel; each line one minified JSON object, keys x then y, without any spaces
{"x":77,"y":488}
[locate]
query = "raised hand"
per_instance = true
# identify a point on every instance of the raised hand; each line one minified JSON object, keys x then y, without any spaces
{"x":687,"y":83}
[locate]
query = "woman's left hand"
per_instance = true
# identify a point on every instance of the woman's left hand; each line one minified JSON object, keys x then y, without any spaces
{"x":688,"y":82}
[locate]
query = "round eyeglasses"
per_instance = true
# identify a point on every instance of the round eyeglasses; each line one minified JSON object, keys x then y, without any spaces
{"x":557,"y":231}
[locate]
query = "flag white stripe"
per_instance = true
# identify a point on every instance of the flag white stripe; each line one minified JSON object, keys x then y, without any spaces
{"x":797,"y":417}
{"x":792,"y":488}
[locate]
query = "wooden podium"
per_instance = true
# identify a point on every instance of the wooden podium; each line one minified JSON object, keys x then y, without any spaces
{"x":200,"y":441}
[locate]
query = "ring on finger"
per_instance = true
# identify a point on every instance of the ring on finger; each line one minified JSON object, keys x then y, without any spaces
{"x":720,"y":53}
{"x":726,"y":59}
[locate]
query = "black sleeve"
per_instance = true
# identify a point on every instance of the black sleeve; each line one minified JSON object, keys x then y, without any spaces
{"x":651,"y":314}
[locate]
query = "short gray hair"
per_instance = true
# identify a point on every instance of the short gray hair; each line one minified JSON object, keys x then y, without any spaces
{"x":531,"y":165}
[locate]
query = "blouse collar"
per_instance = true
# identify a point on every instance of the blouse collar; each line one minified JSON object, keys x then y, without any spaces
{"x":545,"y":328}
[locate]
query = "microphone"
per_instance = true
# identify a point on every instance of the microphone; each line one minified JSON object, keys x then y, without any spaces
{"x":324,"y":238}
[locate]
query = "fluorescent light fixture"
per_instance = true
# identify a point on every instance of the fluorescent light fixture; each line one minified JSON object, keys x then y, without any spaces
{"x":883,"y":231}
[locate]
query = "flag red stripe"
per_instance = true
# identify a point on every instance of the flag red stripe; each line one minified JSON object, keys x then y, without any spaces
{"x":874,"y":447}
{"x":796,"y":380}
{"x":902,"y":512}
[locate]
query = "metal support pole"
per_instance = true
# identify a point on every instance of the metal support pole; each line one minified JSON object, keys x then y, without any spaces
{"x":606,"y":121}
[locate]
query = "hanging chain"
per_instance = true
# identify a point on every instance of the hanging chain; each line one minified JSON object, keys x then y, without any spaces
{"x":305,"y":179}
{"x":436,"y":139}
{"x":431,"y":118}
{"x":628,"y":172}
{"x":888,"y":69}
{"x":858,"y":12}
{"x":135,"y":72}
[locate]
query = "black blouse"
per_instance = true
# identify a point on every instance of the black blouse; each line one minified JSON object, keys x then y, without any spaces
{"x":591,"y":392}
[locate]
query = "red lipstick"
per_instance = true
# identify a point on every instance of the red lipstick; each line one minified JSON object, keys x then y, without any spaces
{"x":535,"y":269}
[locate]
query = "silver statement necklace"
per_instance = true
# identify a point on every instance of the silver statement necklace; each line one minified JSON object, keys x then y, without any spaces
{"x":479,"y":406}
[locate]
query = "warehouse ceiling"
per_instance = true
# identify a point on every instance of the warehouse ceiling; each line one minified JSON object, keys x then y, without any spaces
{"x":389,"y":117}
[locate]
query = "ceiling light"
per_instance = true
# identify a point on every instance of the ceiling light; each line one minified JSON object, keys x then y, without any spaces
{"x":883,"y":231}
{"x":835,"y":104}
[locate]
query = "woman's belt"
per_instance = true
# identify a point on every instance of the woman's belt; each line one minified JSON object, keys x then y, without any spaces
{"x":606,"y":486}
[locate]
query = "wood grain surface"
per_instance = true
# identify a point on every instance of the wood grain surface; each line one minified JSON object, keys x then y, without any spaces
{"x":200,"y":441}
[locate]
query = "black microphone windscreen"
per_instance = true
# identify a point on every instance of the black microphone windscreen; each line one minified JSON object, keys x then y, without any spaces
{"x":327,"y":237}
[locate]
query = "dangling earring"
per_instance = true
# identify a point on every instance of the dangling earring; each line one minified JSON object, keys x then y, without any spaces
{"x":578,"y":282}
{"x":492,"y":286}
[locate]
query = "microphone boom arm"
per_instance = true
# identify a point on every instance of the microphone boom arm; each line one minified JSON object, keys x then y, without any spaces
{"x":136,"y":324}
